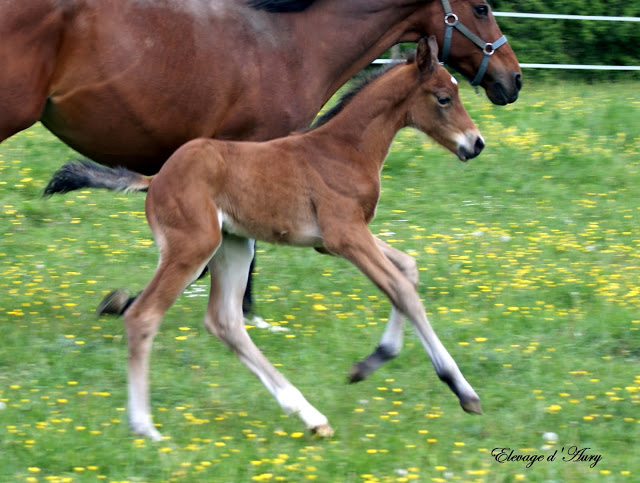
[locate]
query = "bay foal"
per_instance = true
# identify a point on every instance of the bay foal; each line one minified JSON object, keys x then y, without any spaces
{"x":318,"y":189}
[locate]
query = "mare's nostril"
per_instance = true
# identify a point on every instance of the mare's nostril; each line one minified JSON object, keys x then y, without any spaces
{"x":518,"y":82}
{"x":479,"y":146}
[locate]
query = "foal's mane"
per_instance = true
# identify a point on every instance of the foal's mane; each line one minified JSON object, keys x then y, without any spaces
{"x":278,"y":6}
{"x":363,"y":81}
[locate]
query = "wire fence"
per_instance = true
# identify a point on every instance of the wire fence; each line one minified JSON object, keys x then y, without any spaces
{"x":565,"y":17}
{"x":572,"y":17}
{"x":561,"y":17}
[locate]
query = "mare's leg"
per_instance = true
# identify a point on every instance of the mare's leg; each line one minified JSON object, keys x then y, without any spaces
{"x":247,"y":299}
{"x":391,"y":341}
{"x":229,"y":270}
{"x":30,"y":33}
{"x":358,"y":245}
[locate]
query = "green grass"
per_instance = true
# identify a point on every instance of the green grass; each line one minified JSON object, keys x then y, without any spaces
{"x":530,"y":272}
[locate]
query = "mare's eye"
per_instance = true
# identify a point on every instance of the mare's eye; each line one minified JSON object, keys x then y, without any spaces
{"x":443,"y":100}
{"x":481,"y":10}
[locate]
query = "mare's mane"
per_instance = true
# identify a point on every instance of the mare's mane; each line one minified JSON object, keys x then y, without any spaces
{"x":363,"y":81}
{"x":279,"y":6}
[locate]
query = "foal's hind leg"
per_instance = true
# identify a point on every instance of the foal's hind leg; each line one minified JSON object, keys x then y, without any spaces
{"x":182,"y":260}
{"x":391,"y":341}
{"x":358,"y":245}
{"x":229,"y":269}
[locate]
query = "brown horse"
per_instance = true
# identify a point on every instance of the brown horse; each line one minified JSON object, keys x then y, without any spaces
{"x":320,"y":189}
{"x":126,"y":82}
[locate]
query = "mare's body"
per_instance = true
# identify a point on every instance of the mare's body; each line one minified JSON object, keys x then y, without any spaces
{"x":126,"y":82}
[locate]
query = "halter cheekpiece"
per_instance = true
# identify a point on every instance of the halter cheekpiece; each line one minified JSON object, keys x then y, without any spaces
{"x":451,"y":22}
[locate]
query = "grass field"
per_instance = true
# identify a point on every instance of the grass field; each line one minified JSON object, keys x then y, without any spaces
{"x":530,"y":272}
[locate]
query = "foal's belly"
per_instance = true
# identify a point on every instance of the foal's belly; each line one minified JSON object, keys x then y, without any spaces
{"x":300,"y":233}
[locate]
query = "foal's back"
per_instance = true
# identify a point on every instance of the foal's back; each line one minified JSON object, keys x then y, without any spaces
{"x":260,"y":190}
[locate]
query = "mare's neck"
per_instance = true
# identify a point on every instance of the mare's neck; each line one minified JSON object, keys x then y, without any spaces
{"x":360,"y":30}
{"x":371,"y":119}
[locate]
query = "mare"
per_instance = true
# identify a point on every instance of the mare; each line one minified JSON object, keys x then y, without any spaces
{"x":127,"y":82}
{"x":320,"y":189}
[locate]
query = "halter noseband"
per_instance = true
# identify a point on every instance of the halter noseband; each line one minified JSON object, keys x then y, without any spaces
{"x":488,"y":48}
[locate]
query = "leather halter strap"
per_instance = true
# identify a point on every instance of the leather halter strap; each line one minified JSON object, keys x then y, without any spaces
{"x":488,"y":48}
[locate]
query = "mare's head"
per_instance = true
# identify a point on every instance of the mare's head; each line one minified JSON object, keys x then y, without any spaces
{"x":436,"y":109}
{"x":472,"y":43}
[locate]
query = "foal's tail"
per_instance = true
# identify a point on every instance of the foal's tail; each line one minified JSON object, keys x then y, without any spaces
{"x":75,"y":175}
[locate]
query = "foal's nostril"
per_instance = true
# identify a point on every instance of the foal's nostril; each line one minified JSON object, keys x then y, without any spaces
{"x":479,"y":145}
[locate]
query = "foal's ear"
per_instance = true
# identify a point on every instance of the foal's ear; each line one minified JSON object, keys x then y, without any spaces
{"x":427,"y":55}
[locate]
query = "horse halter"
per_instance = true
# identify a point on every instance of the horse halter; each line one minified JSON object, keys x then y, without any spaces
{"x":488,"y":48}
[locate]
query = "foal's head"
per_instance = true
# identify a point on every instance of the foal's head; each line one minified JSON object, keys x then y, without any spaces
{"x":436,"y":109}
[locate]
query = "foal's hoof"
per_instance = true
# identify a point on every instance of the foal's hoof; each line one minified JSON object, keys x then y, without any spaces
{"x":357,"y":373}
{"x":324,"y":431}
{"x":472,"y":406}
{"x":114,"y":303}
{"x":147,"y":432}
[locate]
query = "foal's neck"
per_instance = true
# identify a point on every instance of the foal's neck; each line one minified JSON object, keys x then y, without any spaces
{"x":369,"y":122}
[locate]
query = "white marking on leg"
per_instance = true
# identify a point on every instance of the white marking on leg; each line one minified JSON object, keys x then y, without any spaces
{"x":139,"y":409}
{"x":392,"y":337}
{"x":229,"y":270}
{"x":292,"y":401}
{"x":444,"y":364}
{"x":140,"y":420}
{"x":260,"y":323}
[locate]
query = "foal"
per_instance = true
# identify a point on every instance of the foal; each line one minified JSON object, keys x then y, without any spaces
{"x":318,"y":189}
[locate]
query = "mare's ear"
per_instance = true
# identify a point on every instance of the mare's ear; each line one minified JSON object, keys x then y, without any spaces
{"x":427,"y":55}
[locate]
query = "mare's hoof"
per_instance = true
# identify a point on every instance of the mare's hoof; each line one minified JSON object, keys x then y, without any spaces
{"x":114,"y":303}
{"x":472,"y":406}
{"x":324,"y":431}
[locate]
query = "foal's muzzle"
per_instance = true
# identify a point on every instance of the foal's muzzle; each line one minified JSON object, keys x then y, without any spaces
{"x":471,"y":148}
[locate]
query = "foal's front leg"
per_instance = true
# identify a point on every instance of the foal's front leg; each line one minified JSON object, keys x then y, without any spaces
{"x":391,"y":341}
{"x":229,"y":268}
{"x":358,"y":245}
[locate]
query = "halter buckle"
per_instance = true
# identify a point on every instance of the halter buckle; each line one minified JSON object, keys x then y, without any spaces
{"x":488,"y":49}
{"x":451,"y":19}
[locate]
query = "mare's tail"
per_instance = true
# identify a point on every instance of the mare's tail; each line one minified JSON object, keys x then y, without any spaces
{"x":75,"y":175}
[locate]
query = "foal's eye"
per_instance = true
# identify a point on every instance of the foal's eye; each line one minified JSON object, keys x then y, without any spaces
{"x":443,"y":101}
{"x":481,"y":10}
